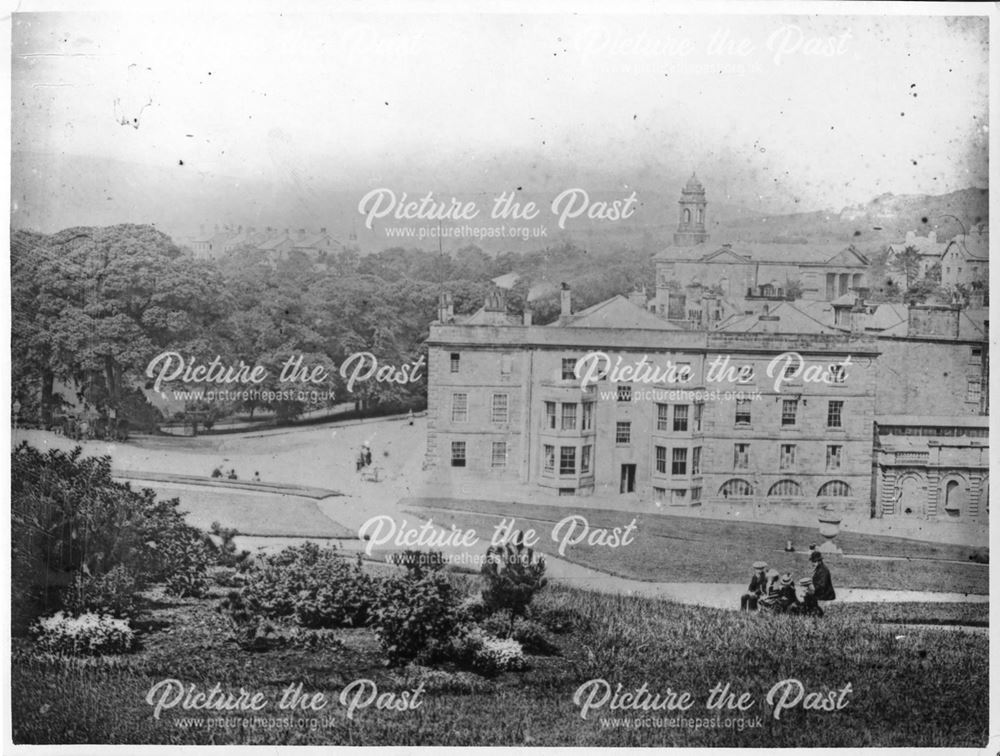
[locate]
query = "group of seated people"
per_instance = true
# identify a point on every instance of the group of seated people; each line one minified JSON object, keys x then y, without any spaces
{"x":769,"y":591}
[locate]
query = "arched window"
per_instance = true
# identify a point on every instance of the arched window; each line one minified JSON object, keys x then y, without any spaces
{"x":736,"y":487}
{"x":785,"y":488}
{"x":835,"y":488}
{"x":701,"y":215}
{"x":687,"y":215}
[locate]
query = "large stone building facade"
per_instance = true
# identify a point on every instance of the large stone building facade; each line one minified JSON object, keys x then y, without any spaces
{"x":506,"y":403}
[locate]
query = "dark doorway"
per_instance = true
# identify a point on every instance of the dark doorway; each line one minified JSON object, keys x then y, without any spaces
{"x":628,"y":479}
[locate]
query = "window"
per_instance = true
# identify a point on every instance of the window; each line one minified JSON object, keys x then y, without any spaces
{"x":585,"y":458}
{"x":745,"y":374}
{"x":624,"y":392}
{"x":661,"y":460}
{"x":786,"y":460}
{"x":549,"y":458}
{"x":785,"y":488}
{"x":459,"y":408}
{"x":550,"y":415}
{"x":790,"y":369}
{"x":834,"y":412}
{"x":833,"y":457}
{"x":454,"y":361}
{"x":623,"y":432}
{"x":567,"y":460}
{"x":677,"y":496}
{"x":458,"y":454}
{"x":506,"y":364}
{"x":500,"y":408}
{"x":569,"y":416}
{"x":735,"y":487}
{"x":835,"y":488}
{"x":973,"y":389}
{"x":678,"y":462}
{"x":741,"y":456}
{"x":743,"y":412}
{"x":975,"y":355}
{"x":695,"y":495}
{"x":684,"y":368}
{"x":568,"y":368}
{"x":788,"y":410}
{"x":838,"y":373}
{"x":662,"y":417}
{"x":681,"y":417}
{"x":659,"y":494}
{"x":499,"y":456}
{"x":588,"y":415}
{"x":696,"y":461}
{"x":697,"y":417}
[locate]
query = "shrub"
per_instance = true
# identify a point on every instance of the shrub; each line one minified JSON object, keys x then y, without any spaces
{"x":224,"y":553}
{"x":225,"y":577}
{"x":513,"y":575}
{"x":419,"y":563}
{"x":186,"y":551}
{"x":113,"y":594}
{"x":410,"y":614}
{"x":315,"y":587}
{"x":88,"y":634}
{"x":472,"y":609}
{"x":532,"y":636}
{"x":485,"y":653}
{"x":68,"y":515}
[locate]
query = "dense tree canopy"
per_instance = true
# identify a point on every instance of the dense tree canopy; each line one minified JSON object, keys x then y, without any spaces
{"x":95,"y":305}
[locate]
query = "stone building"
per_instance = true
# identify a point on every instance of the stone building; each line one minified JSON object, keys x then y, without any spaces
{"x":505,"y":403}
{"x":737,"y":270}
{"x":932,"y":467}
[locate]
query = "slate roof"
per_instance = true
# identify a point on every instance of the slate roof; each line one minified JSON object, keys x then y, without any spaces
{"x":790,"y":320}
{"x":617,"y":312}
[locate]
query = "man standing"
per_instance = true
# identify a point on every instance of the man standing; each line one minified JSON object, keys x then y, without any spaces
{"x":758,"y":585}
{"x":822,"y":583}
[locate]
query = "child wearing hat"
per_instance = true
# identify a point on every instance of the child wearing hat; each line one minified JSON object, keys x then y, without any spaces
{"x":758,"y":586}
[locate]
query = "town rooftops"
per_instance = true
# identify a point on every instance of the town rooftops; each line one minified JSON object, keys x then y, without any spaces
{"x":785,"y":317}
{"x":617,"y":312}
{"x":771,"y":254}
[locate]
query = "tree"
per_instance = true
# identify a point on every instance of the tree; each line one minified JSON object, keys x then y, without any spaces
{"x":108,"y":300}
{"x":907,"y":263}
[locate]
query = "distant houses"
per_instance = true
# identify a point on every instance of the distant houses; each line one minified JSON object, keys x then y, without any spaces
{"x":275,"y":244}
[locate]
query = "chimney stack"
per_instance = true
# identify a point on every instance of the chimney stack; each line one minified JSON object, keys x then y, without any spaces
{"x":565,"y":303}
{"x":446,"y":308}
{"x":638,"y":297}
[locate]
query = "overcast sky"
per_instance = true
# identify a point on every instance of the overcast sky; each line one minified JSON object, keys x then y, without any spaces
{"x":827,"y":110}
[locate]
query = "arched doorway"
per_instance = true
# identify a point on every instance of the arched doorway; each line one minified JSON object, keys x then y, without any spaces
{"x":911,"y":497}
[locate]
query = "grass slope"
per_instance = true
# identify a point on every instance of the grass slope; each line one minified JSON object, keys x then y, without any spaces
{"x":900,"y":683}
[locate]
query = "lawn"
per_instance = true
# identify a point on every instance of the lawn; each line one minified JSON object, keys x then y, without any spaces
{"x":254,"y":514}
{"x":686,"y":549}
{"x":898,"y":682}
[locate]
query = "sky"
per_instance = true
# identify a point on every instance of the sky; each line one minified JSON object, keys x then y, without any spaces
{"x":789,"y":112}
